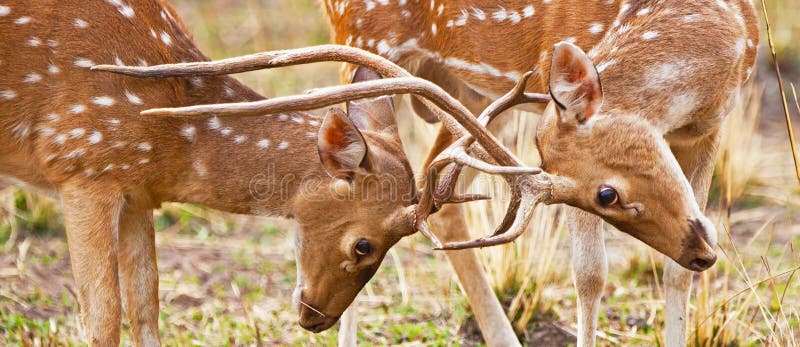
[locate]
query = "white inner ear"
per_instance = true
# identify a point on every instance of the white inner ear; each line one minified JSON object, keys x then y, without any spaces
{"x":351,"y":155}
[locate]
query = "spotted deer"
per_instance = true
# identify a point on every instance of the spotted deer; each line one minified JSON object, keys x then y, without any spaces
{"x":77,"y":135}
{"x":635,"y":121}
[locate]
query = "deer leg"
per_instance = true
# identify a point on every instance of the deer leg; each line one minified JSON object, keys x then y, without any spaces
{"x":590,"y":269}
{"x":138,"y":274}
{"x":450,"y":225}
{"x":697,"y":163}
{"x":348,"y":326}
{"x":91,"y":220}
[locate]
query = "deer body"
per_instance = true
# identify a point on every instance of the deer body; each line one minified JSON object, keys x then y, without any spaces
{"x":670,"y":71}
{"x":78,"y":134}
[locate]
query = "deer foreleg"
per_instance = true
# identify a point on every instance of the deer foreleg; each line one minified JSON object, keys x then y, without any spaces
{"x":590,"y":269}
{"x":697,"y":162}
{"x":91,"y":220}
{"x":138,"y":274}
{"x":450,"y":225}
{"x":348,"y":326}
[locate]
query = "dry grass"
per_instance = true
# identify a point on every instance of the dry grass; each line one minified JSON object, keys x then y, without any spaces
{"x":226,"y":280}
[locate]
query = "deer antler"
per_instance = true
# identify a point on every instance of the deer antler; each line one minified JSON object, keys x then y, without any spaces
{"x":530,"y":185}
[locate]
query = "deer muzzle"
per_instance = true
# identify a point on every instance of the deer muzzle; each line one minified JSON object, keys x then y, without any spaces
{"x":698,"y":252}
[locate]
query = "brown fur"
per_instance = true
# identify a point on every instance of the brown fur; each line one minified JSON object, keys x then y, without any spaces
{"x":670,"y":72}
{"x":112,"y":167}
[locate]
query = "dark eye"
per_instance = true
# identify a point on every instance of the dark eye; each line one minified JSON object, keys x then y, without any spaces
{"x":363,"y":248}
{"x":607,"y":196}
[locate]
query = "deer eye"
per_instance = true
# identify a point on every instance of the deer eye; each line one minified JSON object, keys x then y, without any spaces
{"x":607,"y":196}
{"x":363,"y":247}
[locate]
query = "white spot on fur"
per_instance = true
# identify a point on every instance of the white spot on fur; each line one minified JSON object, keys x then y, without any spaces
{"x":283,"y":117}
{"x":596,"y":28}
{"x":188,"y":132}
{"x":52,"y":117}
{"x":214,"y":123}
{"x":680,"y":109}
{"x":605,"y":65}
{"x":239,"y":139}
{"x":108,"y":168}
{"x":144,"y":147}
{"x":738,"y":48}
{"x":60,"y":139}
{"x":143,"y":161}
{"x":46,"y":131}
{"x":478,"y":14}
{"x":297,"y":119}
{"x":22,"y":130}
{"x":104,"y":101}
{"x":8,"y":94}
{"x":197,"y":82}
{"x":200,"y":168}
{"x":283,"y":145}
{"x":229,"y":92}
{"x":166,"y":39}
{"x":263,"y":143}
{"x":76,"y":109}
{"x":133,"y":98}
{"x":80,"y":23}
{"x":500,"y":15}
{"x":34,"y":42}
{"x":649,"y":35}
{"x":95,"y":138}
{"x":226,"y":131}
{"x":76,"y":133}
{"x":123,"y":8}
{"x":433,"y":31}
{"x":691,"y":17}
{"x":313,"y":122}
{"x":75,"y":153}
{"x":643,"y":11}
{"x":32,"y":78}
{"x":113,"y":121}
{"x":82,"y":62}
{"x":528,"y":11}
{"x":4,"y":11}
{"x":52,"y":69}
{"x":22,"y":20}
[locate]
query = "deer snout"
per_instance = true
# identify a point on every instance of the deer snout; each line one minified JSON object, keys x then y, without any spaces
{"x":314,"y":321}
{"x":699,"y":254}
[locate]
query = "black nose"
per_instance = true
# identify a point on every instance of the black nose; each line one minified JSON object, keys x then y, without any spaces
{"x":703,"y":263}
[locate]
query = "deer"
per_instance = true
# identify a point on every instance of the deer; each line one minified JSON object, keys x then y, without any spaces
{"x":640,"y":89}
{"x":75,"y":132}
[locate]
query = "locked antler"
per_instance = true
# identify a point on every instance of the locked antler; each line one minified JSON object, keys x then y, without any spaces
{"x":529,"y":185}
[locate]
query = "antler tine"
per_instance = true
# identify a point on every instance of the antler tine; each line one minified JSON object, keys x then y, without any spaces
{"x":521,"y":220}
{"x":515,"y":96}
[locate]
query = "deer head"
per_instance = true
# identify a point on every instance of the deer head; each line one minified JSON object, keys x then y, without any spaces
{"x":350,"y":220}
{"x":621,"y":167}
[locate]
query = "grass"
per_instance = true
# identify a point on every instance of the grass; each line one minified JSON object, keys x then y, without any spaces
{"x":227,"y":280}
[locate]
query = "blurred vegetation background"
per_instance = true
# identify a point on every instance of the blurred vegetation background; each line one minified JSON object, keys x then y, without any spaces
{"x":227,"y":280}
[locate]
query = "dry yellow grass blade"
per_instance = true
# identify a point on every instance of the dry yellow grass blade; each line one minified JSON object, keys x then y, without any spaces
{"x":780,"y":86}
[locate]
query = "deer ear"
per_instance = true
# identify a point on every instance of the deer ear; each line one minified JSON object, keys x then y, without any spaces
{"x":574,"y":83}
{"x":376,"y":114}
{"x":340,"y":145}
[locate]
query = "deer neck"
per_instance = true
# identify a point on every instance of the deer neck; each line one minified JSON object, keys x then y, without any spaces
{"x":250,"y":165}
